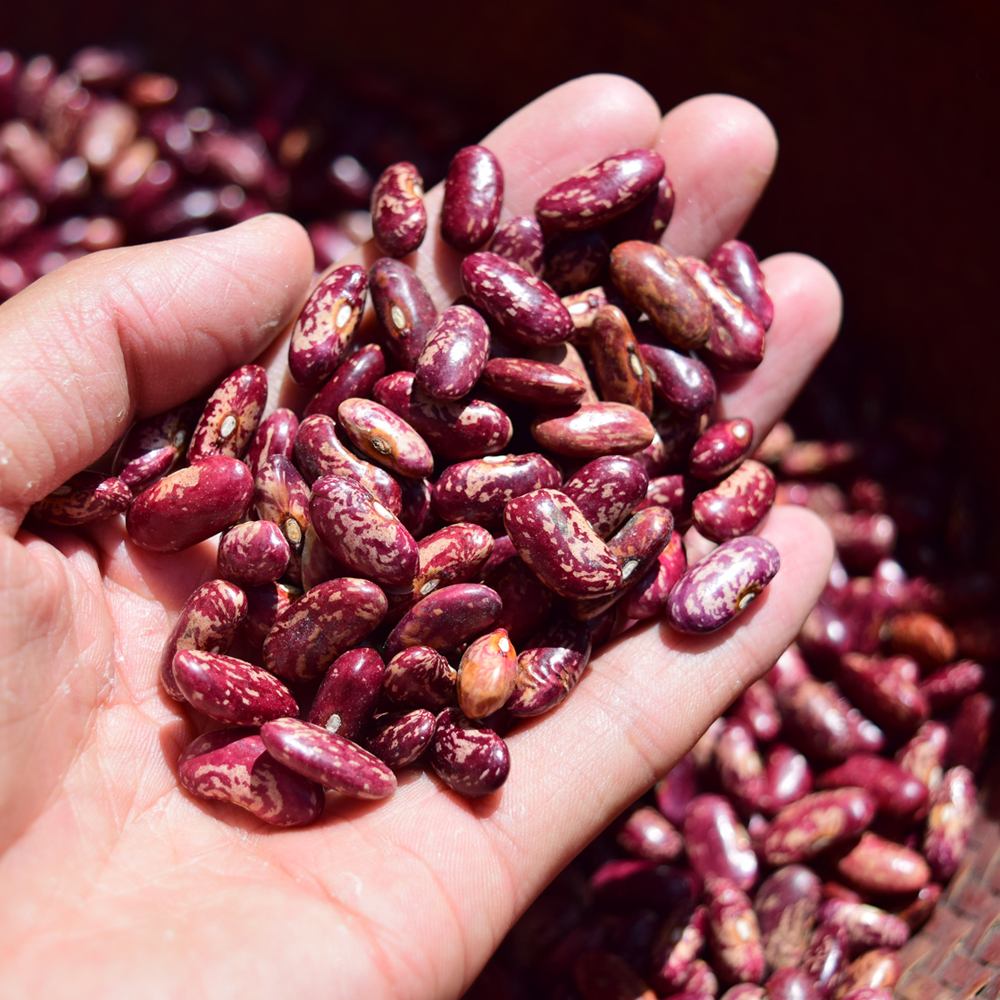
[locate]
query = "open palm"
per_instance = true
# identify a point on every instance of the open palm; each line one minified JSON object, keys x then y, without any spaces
{"x":117,"y":883}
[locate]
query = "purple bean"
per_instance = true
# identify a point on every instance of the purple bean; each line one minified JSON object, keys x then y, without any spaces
{"x":327,"y":758}
{"x":757,"y":707}
{"x":737,"y":505}
{"x":399,"y":219}
{"x":648,"y":834}
{"x":520,"y":240}
{"x":924,"y":754}
{"x":735,"y":265}
{"x":717,"y":843}
{"x":420,"y":676}
{"x":876,"y":865}
{"x":898,"y":792}
{"x":678,"y":943}
{"x":317,"y":563}
{"x":567,"y":357}
{"x":971,"y":732}
{"x":883,"y":692}
{"x":233,"y":765}
{"x":950,"y":684}
{"x":652,"y":590}
{"x":470,"y":760}
{"x":384,"y":437}
{"x":533,"y":381}
{"x":453,"y":554}
{"x":264,"y":605}
{"x":355,"y":377}
{"x":280,"y":495}
{"x":788,"y":778}
{"x":83,"y":499}
{"x":790,"y":984}
{"x":400,"y":737}
{"x":445,"y":618}
{"x":786,"y":905}
{"x":740,"y":766}
{"x":473,"y":195}
{"x":733,"y":933}
{"x":826,"y":957}
{"x":253,"y":553}
{"x":346,"y":699}
{"x":685,"y":383}
{"x":231,"y":416}
{"x":416,"y":511}
{"x":154,"y":446}
{"x":594,"y":429}
{"x":806,"y":827}
{"x":607,"y":490}
{"x":866,"y":926}
{"x":403,"y":307}
{"x":716,"y":590}
{"x":275,"y":436}
{"x":326,"y":325}
{"x":721,"y":448}
{"x":949,"y":821}
{"x":455,"y":353}
{"x":648,"y":220}
{"x":550,"y":667}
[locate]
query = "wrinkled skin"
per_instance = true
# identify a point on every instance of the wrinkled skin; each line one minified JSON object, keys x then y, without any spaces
{"x":115,"y":882}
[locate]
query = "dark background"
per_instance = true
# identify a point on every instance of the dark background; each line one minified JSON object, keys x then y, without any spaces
{"x":888,"y":116}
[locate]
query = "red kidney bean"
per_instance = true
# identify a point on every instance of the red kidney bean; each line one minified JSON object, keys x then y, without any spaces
{"x":420,"y":676}
{"x":453,"y":554}
{"x":736,"y":343}
{"x":460,"y":430}
{"x":716,"y":590}
{"x":740,"y":767}
{"x":83,"y":499}
{"x":274,"y":437}
{"x":231,"y":416}
{"x":866,"y":926}
{"x":327,"y":758}
{"x":678,"y":943}
{"x":971,"y":732}
{"x":925,"y":753}
{"x":264,"y":605}
{"x":733,"y":933}
{"x":550,"y":667}
{"x":607,"y":490}
{"x":522,"y":306}
{"x":567,"y":357}
{"x":554,"y":538}
{"x":621,"y":373}
{"x":757,"y":708}
{"x":253,"y":553}
{"x":473,"y":195}
{"x":230,"y":690}
{"x":233,"y":765}
{"x":155,"y":445}
{"x":685,"y":383}
{"x":319,"y":452}
{"x":326,"y":324}
{"x":400,"y":737}
{"x":949,"y":821}
{"x":209,"y":620}
{"x":454,"y":355}
{"x":892,"y":701}
{"x":924,"y":637}
{"x":346,"y":699}
{"x":825,"y":958}
{"x":363,"y":534}
{"x":533,"y":381}
{"x":476,"y":491}
{"x":381,"y":435}
{"x":526,"y":600}
{"x":594,"y":429}
{"x":486,"y":674}
{"x":399,"y":219}
{"x":788,"y":778}
{"x":355,"y":377}
{"x":649,"y":219}
{"x":445,"y":618}
{"x":190,"y":505}
{"x":949,"y":685}
{"x":737,"y":505}
{"x":575,"y":261}
{"x":721,"y":448}
{"x":876,"y":972}
{"x":649,"y":595}
{"x":786,"y":905}
{"x":805,"y":828}
{"x":403,"y":307}
{"x":717,"y":843}
{"x":735,"y":265}
{"x":898,"y":792}
{"x":656,"y":284}
{"x":876,"y":865}
{"x":601,"y":192}
{"x":331,"y":618}
{"x":471,"y":761}
{"x":520,"y":240}
{"x":650,"y":835}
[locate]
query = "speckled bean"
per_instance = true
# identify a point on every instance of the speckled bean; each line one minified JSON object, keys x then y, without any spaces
{"x":319,"y":452}
{"x":805,"y":828}
{"x":460,"y":430}
{"x":950,"y":684}
{"x":790,"y":984}
{"x":325,"y":327}
{"x":757,"y":708}
{"x":522,"y":306}
{"x":736,"y":343}
{"x":486,"y":674}
{"x":155,"y":445}
{"x":416,"y":511}
{"x":876,"y":971}
{"x":473,"y":195}
{"x":420,"y":676}
{"x":678,"y":943}
{"x":567,"y":357}
{"x":403,"y":308}
{"x":445,"y":618}
{"x":231,"y":416}
{"x":600,"y":192}
{"x":327,"y":758}
{"x":83,"y":499}
{"x":897,"y":792}
{"x":363,"y":534}
{"x":649,"y":219}
{"x":233,"y":765}
{"x":399,"y":219}
{"x":717,"y":843}
{"x":866,"y":926}
{"x":355,"y":377}
{"x":209,"y":620}
{"x":786,"y":905}
{"x":253,"y":553}
{"x":876,"y":865}
{"x":554,"y":538}
{"x":281,"y":496}
{"x":685,"y":383}
{"x":454,"y":355}
{"x":533,"y":381}
{"x":190,"y":505}
{"x":520,"y":240}
{"x":735,"y":265}
{"x":657,"y":285}
{"x":733,"y":933}
{"x":346,"y":699}
{"x":740,"y":766}
{"x":575,"y":261}
{"x":526,"y":600}
{"x":649,"y":834}
{"x":550,"y":667}
{"x":885,"y":694}
{"x":721,"y":448}
{"x":400,"y":737}
{"x":382,"y":436}
{"x":826,"y":958}
{"x":331,"y":618}
{"x":924,"y":754}
{"x":470,"y":760}
{"x":317,"y":563}
{"x":650,"y":594}
{"x":614,"y":351}
{"x":745,"y":991}
{"x":716,"y":590}
{"x":607,"y":490}
{"x":949,"y":821}
{"x":788,"y":778}
{"x":231,"y":690}
{"x":274,"y":437}
{"x":264,"y":605}
{"x":594,"y":429}
{"x":737,"y":505}
{"x":673,"y":436}
{"x":584,"y":306}
{"x":453,"y":554}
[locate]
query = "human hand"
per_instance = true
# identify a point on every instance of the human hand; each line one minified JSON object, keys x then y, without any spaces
{"x":117,"y":882}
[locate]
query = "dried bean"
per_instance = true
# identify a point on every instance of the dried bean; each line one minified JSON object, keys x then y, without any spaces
{"x":471,"y":761}
{"x":231,"y":416}
{"x":826,"y":957}
{"x":526,"y":600}
{"x":399,"y":738}
{"x":331,"y":760}
{"x":264,"y":605}
{"x":155,"y":445}
{"x":788,"y":778}
{"x":594,"y":429}
{"x":924,"y":637}
{"x":83,"y":499}
{"x":486,"y":674}
{"x":420,"y":676}
{"x":346,"y":699}
{"x":790,"y":984}
{"x":607,"y":490}
{"x":866,"y":926}
{"x":275,"y":437}
{"x":862,"y":539}
{"x":721,"y":448}
{"x":355,"y":377}
{"x":877,"y":865}
{"x":253,"y":553}
{"x":549,"y":668}
{"x":648,"y":834}
{"x":740,"y":767}
{"x":757,"y":708}
{"x":898,"y":792}
{"x":416,"y":512}
{"x":735,"y":265}
{"x":567,"y":357}
{"x":971,"y":732}
{"x":786,"y":905}
{"x":280,"y":495}
{"x":317,"y":564}
{"x":685,"y":383}
{"x":403,"y":308}
{"x":949,"y":821}
{"x":399,"y":219}
{"x":717,"y":843}
{"x":520,"y":240}
{"x":384,"y":437}
{"x":614,"y":351}
{"x":473,"y":195}
{"x":733,"y":933}
{"x":454,"y":355}
{"x":575,"y":261}
{"x":648,"y":220}
{"x":805,"y":828}
{"x":652,"y":590}
{"x":451,"y":555}
{"x":737,"y":505}
{"x":678,"y":943}
{"x":532,"y":381}
{"x":949,"y":685}
{"x":445,"y":618}
{"x":745,"y":991}
{"x":885,"y":694}
{"x":925,"y":753}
